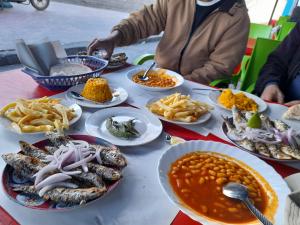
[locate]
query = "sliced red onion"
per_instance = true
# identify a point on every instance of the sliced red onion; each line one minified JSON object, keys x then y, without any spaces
{"x":47,"y":188}
{"x":79,"y":163}
{"x":65,"y":158}
{"x":40,"y":175}
{"x":58,"y":177}
{"x":98,"y":157}
{"x":76,"y":172}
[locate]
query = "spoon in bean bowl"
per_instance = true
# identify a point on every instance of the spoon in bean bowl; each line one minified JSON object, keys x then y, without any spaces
{"x":240,"y":192}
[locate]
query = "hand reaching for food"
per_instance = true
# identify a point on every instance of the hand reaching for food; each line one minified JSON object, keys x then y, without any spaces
{"x":107,"y":44}
{"x":272,"y":93}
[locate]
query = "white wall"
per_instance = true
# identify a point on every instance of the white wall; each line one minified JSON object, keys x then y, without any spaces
{"x":260,"y":10}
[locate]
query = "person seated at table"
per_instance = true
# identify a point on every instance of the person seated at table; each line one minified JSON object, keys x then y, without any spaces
{"x":203,"y":40}
{"x":279,"y":79}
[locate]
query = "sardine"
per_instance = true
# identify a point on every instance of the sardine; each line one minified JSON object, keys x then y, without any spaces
{"x":247,"y":144}
{"x":281,"y":126}
{"x":57,"y":139}
{"x":276,"y":153}
{"x":239,"y":119}
{"x":50,"y":149}
{"x":110,"y":156}
{"x":90,"y":179}
{"x":295,"y":153}
{"x":262,"y":149}
{"x":267,"y":124}
{"x":105,"y":172}
{"x":26,"y":166}
{"x":32,"y":151}
{"x":66,"y":195}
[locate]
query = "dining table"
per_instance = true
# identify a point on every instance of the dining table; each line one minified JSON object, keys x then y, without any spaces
{"x":138,"y":198}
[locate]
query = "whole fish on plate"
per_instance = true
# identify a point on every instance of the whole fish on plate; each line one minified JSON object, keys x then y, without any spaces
{"x":32,"y":151}
{"x":276,"y":152}
{"x":90,"y":179}
{"x":262,"y":149}
{"x":281,"y":126}
{"x":110,"y":156}
{"x":26,"y":166}
{"x":239,"y":119}
{"x":105,"y":172}
{"x":247,"y":144}
{"x":57,"y":139}
{"x":66,"y":195}
{"x":267,"y":124}
{"x":290,"y":151}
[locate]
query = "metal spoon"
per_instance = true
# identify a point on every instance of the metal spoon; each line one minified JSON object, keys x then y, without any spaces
{"x":240,"y":192}
{"x":78,"y":96}
{"x":144,"y":77}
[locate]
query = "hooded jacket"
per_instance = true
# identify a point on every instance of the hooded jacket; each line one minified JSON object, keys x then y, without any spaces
{"x":211,"y":52}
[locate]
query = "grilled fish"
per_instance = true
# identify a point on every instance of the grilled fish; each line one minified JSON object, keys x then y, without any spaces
{"x":262,"y":149}
{"x":267,"y":124}
{"x":281,"y":126}
{"x":295,"y":153}
{"x":26,"y":166}
{"x":276,"y":153}
{"x":57,"y":139}
{"x":247,"y":144}
{"x":66,"y":195}
{"x":90,"y":179}
{"x":239,"y":119}
{"x":32,"y":151}
{"x":110,"y":156}
{"x":105,"y":172}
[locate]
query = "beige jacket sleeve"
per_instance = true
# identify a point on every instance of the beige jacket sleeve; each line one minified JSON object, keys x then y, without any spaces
{"x":227,"y":54}
{"x":151,"y":20}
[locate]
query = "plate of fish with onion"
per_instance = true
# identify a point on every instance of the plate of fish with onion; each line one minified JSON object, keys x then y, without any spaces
{"x":124,"y":126}
{"x":41,"y":115}
{"x":159,"y":79}
{"x":97,"y":93}
{"x":62,"y":172}
{"x":227,"y":98}
{"x":262,"y":136}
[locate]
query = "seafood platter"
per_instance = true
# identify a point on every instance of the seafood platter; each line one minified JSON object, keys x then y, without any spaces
{"x":62,"y":172}
{"x":262,"y":136}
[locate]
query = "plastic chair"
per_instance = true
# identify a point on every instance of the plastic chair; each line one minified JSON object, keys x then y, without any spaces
{"x":143,"y":58}
{"x":259,"y":31}
{"x":285,"y":29}
{"x":251,"y":70}
{"x":282,"y":20}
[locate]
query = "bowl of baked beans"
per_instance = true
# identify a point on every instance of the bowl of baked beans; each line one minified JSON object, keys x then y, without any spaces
{"x":159,"y":79}
{"x":192,"y":175}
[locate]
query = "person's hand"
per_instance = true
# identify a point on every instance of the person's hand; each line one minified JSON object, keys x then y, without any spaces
{"x":272,"y":93}
{"x":292,"y":103}
{"x":108,"y":44}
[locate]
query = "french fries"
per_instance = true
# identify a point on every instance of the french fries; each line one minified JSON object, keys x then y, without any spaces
{"x":179,"y":108}
{"x":38,"y":115}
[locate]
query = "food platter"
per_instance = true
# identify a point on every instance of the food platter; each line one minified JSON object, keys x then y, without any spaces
{"x":148,"y":126}
{"x":225,"y":131}
{"x":77,"y":110}
{"x":152,"y":104}
{"x":120,"y":95}
{"x":178,"y":79}
{"x":10,"y":181}
{"x":214,"y":95}
{"x":252,"y":163}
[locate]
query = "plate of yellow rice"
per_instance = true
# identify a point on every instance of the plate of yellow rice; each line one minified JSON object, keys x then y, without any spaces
{"x":97,"y":93}
{"x":244,"y":101}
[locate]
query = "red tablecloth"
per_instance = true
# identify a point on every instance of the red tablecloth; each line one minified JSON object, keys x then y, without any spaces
{"x":14,"y":84}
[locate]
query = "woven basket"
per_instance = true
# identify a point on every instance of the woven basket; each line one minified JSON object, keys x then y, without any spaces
{"x":64,"y":82}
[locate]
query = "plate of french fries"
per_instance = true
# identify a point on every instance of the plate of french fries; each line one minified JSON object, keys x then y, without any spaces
{"x":41,"y":115}
{"x":180,"y":109}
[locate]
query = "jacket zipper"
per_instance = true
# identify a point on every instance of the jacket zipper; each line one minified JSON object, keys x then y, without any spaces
{"x":190,"y":37}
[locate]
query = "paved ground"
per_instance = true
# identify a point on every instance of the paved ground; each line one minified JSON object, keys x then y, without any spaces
{"x":119,"y":5}
{"x":65,"y":22}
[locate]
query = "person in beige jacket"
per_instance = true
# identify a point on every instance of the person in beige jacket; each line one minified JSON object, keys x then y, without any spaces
{"x":202,"y":40}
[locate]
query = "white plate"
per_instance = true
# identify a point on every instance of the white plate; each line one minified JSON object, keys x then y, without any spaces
{"x":7,"y":123}
{"x":123,"y":95}
{"x":179,"y":78}
{"x":214,"y":95}
{"x":202,"y":119}
{"x":267,"y":172}
{"x":148,"y":125}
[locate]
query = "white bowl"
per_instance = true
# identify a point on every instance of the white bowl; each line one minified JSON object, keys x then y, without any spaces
{"x":266,"y":171}
{"x":178,"y":77}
